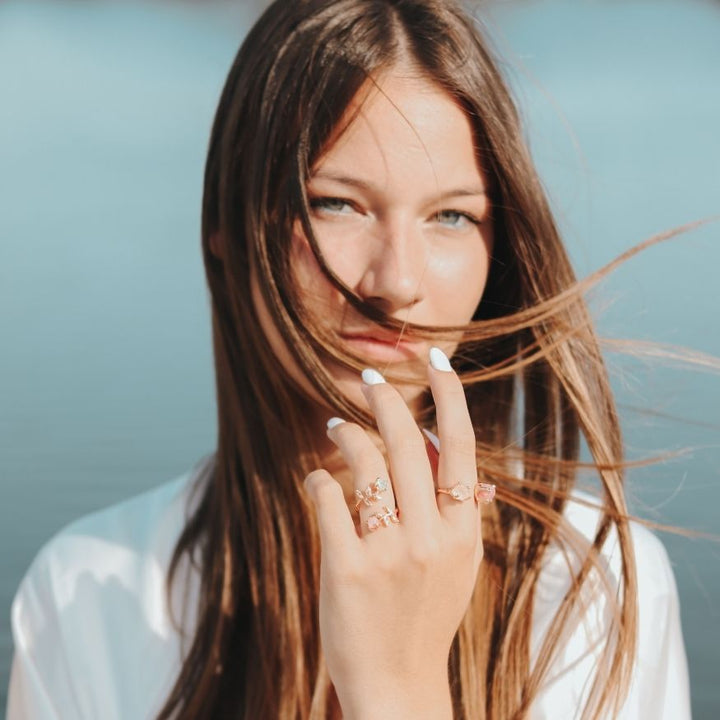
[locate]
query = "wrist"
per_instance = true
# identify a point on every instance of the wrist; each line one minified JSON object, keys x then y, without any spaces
{"x":421,"y":700}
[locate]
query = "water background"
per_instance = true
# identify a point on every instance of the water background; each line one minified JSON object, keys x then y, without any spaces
{"x":106,"y":384}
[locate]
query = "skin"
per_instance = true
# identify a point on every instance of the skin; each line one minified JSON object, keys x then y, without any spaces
{"x":400,"y":210}
{"x":392,"y":600}
{"x":401,"y":213}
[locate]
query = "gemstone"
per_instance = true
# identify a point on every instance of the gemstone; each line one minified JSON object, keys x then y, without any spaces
{"x":373,"y":522}
{"x":381,"y":485}
{"x":461,"y":492}
{"x":388,"y":516}
{"x":484,"y":493}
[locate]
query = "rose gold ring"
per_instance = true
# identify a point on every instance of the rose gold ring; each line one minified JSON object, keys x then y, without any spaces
{"x":372,"y":493}
{"x":482,"y":492}
{"x":383,"y":519}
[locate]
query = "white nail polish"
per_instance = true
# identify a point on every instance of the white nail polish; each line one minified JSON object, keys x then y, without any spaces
{"x":333,"y":421}
{"x":372,"y":377}
{"x":439,"y":360}
{"x":433,"y":438}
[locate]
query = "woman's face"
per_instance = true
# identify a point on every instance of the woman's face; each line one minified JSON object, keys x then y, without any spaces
{"x":400,"y":210}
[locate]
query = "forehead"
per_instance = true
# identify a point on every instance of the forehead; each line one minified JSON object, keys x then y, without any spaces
{"x":403,"y":126}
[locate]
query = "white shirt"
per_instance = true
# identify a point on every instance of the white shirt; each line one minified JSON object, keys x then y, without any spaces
{"x":93,"y":637}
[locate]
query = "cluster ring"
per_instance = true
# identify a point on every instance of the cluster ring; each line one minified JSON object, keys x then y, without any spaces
{"x":383,"y":519}
{"x":372,"y":493}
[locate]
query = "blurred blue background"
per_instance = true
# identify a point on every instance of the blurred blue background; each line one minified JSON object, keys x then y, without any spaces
{"x":106,"y":384}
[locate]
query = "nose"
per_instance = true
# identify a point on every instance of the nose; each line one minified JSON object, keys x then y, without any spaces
{"x":394,"y":267}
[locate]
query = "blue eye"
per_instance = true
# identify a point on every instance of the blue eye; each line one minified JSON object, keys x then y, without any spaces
{"x":331,"y":205}
{"x":456,"y":219}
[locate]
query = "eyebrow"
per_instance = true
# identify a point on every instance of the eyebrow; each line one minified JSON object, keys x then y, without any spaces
{"x":470,"y":191}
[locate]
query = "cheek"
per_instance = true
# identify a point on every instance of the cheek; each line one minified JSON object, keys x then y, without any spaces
{"x":316,"y":288}
{"x":277,"y":344}
{"x":305,"y":267}
{"x":459,"y":281}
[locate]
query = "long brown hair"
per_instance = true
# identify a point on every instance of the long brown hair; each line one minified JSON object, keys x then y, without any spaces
{"x":530,"y":361}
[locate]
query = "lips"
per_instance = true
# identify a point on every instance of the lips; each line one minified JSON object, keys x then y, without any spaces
{"x":380,"y":346}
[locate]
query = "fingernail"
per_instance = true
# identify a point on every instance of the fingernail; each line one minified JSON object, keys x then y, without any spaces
{"x":333,"y":421}
{"x":372,"y":377}
{"x":439,"y":360}
{"x":433,"y":438}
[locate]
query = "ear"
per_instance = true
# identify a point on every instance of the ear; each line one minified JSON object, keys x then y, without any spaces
{"x":216,"y":245}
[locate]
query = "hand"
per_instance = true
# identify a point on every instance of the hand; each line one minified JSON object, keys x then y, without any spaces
{"x":391,"y":600}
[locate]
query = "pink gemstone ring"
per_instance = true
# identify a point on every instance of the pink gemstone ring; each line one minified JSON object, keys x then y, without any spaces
{"x":482,"y":492}
{"x":459,"y":492}
{"x":383,"y":519}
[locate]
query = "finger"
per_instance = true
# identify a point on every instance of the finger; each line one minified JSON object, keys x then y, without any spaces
{"x":484,"y":492}
{"x":432,"y":445}
{"x":407,"y":456}
{"x":457,"y":463}
{"x":367,"y":466}
{"x":338,"y":539}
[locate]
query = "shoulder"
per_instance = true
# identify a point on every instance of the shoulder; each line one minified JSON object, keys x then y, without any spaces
{"x":114,"y":541}
{"x":582,"y":517}
{"x":654,"y":570}
{"x":660,"y":671}
{"x":93,"y":605}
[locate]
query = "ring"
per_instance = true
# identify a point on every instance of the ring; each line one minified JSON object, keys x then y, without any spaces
{"x":483,"y":492}
{"x":371,"y":494}
{"x":383,"y":518}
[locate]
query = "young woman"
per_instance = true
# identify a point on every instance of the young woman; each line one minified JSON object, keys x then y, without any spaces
{"x":370,"y":211}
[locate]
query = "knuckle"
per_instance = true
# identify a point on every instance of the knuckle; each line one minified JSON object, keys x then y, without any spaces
{"x":384,"y":397}
{"x":465,"y":545}
{"x":464,"y":444}
{"x":406,"y":446}
{"x":347,"y":431}
{"x":385,"y":565}
{"x":355,"y":444}
{"x":348,"y":574}
{"x":316,"y":479}
{"x":455,"y":389}
{"x":321,"y":485}
{"x":424,"y":553}
{"x":351,"y":437}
